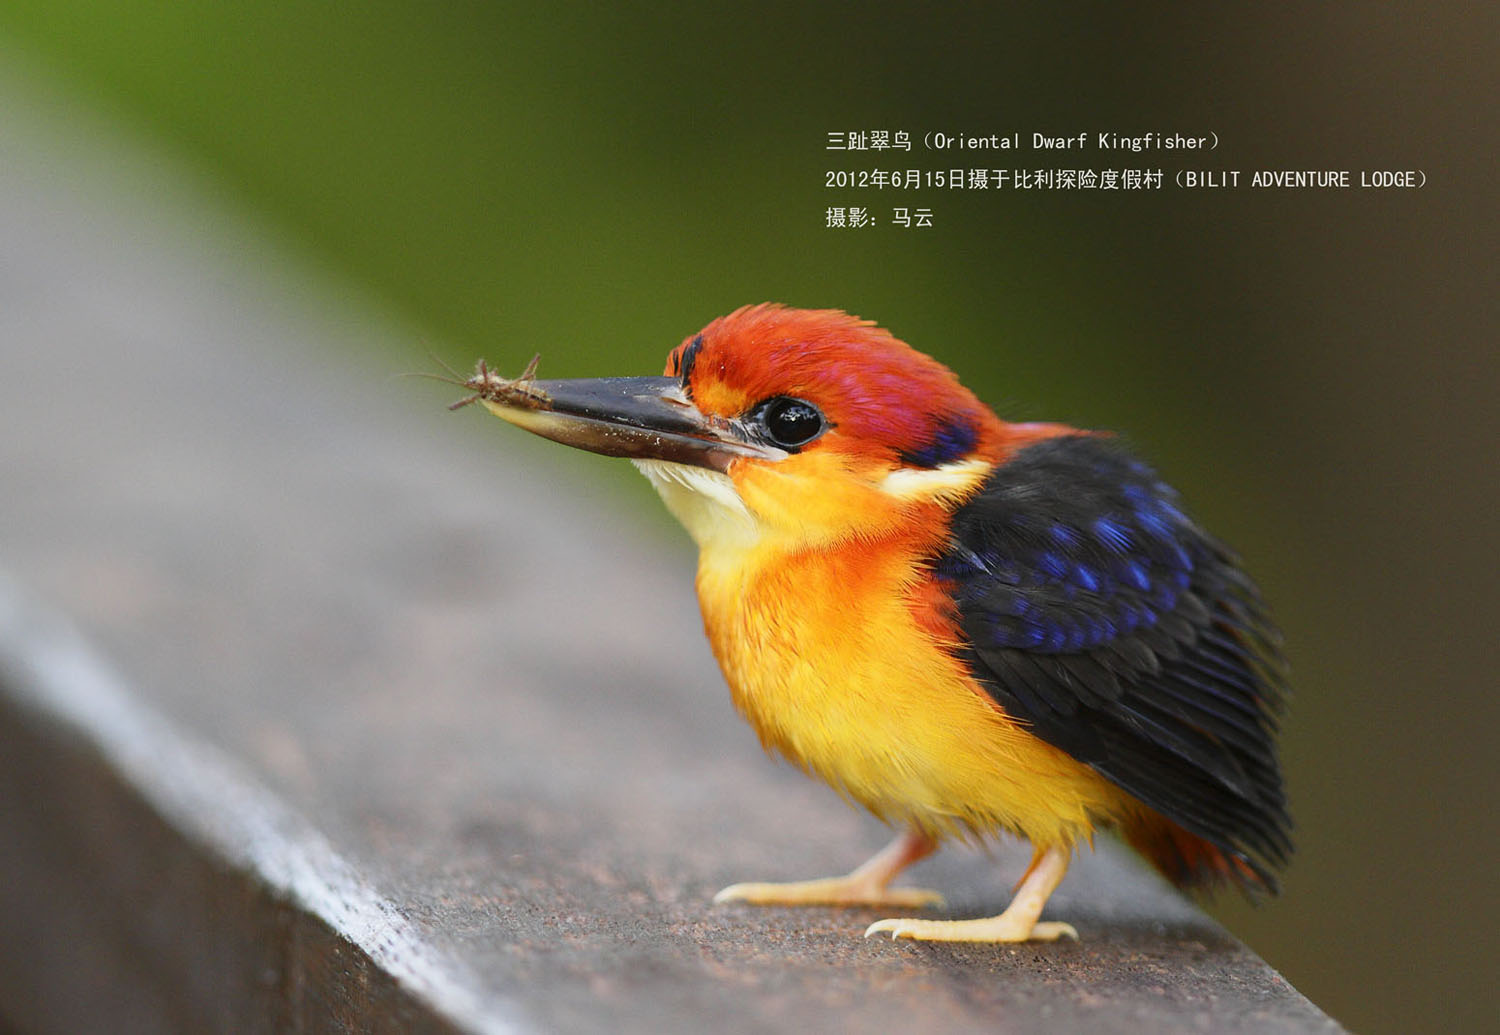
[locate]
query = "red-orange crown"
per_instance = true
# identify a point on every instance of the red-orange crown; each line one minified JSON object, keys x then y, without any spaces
{"x":880,"y":396}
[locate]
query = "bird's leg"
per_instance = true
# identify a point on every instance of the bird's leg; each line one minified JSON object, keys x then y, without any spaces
{"x":866,"y":886}
{"x":1017,"y":924}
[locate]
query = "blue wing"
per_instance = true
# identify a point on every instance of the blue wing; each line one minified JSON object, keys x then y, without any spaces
{"x":1097,"y":612}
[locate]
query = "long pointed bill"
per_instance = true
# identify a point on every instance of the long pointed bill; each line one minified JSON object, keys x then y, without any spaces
{"x":638,"y":417}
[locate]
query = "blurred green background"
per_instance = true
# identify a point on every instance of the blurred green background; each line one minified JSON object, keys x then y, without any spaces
{"x":1315,"y":370}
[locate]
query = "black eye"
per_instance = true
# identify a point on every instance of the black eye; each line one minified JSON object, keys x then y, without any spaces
{"x":789,"y":422}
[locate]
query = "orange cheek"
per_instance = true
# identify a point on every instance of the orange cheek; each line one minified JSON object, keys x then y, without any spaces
{"x":718,"y":398}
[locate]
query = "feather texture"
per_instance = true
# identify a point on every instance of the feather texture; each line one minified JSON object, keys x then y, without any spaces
{"x":1095,"y":611}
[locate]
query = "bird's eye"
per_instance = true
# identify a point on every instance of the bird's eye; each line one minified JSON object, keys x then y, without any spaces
{"x":789,"y":422}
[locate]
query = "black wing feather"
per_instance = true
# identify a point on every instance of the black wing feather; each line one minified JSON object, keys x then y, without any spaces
{"x":1096,"y":611}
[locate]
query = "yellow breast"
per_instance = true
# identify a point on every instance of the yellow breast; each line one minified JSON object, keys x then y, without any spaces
{"x":827,"y":657}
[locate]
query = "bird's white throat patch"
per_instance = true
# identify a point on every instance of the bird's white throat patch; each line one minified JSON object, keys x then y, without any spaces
{"x":709,"y":506}
{"x":705,"y":501}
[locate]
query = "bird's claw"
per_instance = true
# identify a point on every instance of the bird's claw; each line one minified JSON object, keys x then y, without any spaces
{"x":998,"y":930}
{"x":833,"y":891}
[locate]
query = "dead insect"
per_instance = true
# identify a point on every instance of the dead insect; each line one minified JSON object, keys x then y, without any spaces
{"x":486,"y":385}
{"x":491,"y":387}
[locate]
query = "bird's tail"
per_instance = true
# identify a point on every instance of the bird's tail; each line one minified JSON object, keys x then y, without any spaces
{"x":1193,"y":862}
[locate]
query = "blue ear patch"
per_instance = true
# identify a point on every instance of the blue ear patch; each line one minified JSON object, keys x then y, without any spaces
{"x":954,"y":438}
{"x":685,"y":364}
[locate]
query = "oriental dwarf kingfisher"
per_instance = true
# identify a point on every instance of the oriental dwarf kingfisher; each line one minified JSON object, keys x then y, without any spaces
{"x":968,"y":626}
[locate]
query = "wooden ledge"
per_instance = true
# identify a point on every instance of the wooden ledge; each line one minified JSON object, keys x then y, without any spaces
{"x":361,"y":717}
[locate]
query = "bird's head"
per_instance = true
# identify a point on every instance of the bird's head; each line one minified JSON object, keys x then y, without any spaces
{"x":798,"y":427}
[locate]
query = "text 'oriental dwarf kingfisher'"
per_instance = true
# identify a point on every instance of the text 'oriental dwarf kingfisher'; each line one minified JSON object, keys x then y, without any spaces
{"x":967,"y":626}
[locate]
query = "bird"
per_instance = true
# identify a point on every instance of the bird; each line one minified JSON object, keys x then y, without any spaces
{"x":970,"y":627}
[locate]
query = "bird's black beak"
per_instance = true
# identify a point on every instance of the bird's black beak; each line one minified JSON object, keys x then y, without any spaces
{"x":645,"y":418}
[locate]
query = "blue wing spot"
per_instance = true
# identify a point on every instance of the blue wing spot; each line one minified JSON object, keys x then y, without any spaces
{"x":1015,"y":632}
{"x":1029,"y":635}
{"x":1112,"y":534}
{"x":1084,"y":578}
{"x":1134,"y":573}
{"x":1153,"y":524}
{"x":1064,"y":535}
{"x":1053,"y":564}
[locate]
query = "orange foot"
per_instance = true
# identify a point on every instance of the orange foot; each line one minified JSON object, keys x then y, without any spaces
{"x":866,"y":886}
{"x":1017,"y":924}
{"x":1002,"y":928}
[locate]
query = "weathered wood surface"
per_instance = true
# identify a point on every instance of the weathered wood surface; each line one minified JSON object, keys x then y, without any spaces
{"x":364,"y":717}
